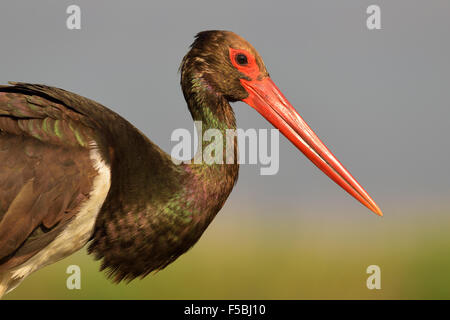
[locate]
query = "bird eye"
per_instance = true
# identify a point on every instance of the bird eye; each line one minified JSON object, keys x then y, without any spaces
{"x":241,"y":59}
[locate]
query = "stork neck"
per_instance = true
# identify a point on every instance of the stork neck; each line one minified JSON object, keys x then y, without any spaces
{"x":157,"y":210}
{"x":212,"y":114}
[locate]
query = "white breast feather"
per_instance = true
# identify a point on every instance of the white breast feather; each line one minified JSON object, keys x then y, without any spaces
{"x":79,"y":230}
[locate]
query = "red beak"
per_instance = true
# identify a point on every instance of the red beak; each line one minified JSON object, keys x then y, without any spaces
{"x":267,"y":99}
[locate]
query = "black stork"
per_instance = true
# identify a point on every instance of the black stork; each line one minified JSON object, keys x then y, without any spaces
{"x":72,"y":171}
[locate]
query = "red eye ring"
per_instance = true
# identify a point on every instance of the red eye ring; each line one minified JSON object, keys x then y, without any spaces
{"x":250,"y":69}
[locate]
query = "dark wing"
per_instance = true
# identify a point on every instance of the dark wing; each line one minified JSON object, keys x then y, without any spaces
{"x":45,"y":170}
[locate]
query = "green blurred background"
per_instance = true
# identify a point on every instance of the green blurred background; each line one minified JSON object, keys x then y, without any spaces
{"x":295,"y":259}
{"x":378,"y":99}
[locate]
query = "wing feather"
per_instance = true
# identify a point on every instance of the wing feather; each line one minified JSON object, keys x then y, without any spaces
{"x":45,"y":171}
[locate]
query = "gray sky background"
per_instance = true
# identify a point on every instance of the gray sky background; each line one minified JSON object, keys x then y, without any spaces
{"x":380,"y":100}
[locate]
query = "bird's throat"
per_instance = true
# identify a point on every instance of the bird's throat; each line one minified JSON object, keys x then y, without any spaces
{"x":215,"y":122}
